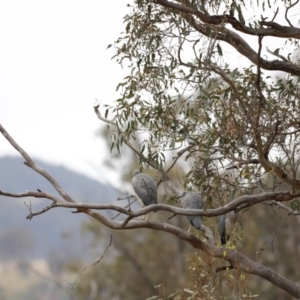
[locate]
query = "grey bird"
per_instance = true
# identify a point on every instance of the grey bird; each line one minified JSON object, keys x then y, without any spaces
{"x":226,"y":224}
{"x":145,"y":188}
{"x":192,"y":200}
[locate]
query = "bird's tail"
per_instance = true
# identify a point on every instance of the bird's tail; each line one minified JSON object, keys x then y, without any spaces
{"x":223,"y":239}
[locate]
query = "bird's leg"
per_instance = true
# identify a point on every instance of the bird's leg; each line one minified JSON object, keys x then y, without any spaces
{"x":189,"y":231}
{"x":146,"y":218}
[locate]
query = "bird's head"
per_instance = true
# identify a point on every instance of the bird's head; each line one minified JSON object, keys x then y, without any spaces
{"x":135,"y":173}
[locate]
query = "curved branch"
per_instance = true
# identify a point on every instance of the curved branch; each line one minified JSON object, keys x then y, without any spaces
{"x":249,"y":200}
{"x":284,"y":207}
{"x":286,"y":13}
{"x":235,"y":258}
{"x":224,"y":34}
{"x":32,"y":194}
{"x":30,"y":163}
{"x":274,"y":29}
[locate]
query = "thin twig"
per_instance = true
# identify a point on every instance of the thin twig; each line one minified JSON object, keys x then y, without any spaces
{"x":92,"y":264}
{"x":286,"y":12}
{"x":31,"y":215}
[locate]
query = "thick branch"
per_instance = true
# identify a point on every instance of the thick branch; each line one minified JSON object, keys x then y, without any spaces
{"x":223,"y":34}
{"x":274,"y":29}
{"x":236,"y":259}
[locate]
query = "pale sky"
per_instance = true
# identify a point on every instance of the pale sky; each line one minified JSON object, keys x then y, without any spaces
{"x":53,"y":65}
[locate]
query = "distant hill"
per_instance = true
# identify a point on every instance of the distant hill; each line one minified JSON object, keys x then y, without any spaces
{"x":42,"y":236}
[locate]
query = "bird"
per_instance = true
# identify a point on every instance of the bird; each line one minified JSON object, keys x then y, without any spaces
{"x":145,"y":188}
{"x":192,"y":200}
{"x":226,"y":224}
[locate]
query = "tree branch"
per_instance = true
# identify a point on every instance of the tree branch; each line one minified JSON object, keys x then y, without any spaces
{"x":284,"y":207}
{"x":275,"y":29}
{"x":249,"y":200}
{"x":30,"y":163}
{"x":236,"y":259}
{"x":224,"y":34}
{"x":286,"y":13}
{"x":32,"y":194}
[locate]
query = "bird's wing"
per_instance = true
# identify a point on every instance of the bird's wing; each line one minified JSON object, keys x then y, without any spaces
{"x":193,"y":201}
{"x":145,"y":188}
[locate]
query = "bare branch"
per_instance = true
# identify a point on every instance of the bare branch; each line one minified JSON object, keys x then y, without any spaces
{"x":94,"y":263}
{"x":276,"y":12}
{"x":249,"y":200}
{"x":236,"y":259}
{"x":30,"y":163}
{"x":32,"y":194}
{"x":284,"y":207}
{"x":31,"y":215}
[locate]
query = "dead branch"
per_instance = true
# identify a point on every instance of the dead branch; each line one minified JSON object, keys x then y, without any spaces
{"x":92,"y":264}
{"x":30,"y":163}
{"x":32,"y":194}
{"x":250,"y":200}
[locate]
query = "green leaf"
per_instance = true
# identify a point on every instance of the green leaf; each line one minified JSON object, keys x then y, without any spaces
{"x":112,"y":146}
{"x":219,"y":49}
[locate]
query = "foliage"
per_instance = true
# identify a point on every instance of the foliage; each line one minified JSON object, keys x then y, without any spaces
{"x":183,"y":93}
{"x":198,"y":93}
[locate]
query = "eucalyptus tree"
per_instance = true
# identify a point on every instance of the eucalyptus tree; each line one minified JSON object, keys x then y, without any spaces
{"x":216,"y":83}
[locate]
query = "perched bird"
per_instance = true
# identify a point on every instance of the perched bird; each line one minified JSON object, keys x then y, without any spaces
{"x":192,"y":200}
{"x":145,"y":188}
{"x":226,"y":224}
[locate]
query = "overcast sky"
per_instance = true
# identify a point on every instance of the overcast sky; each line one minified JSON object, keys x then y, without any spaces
{"x":53,"y":65}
